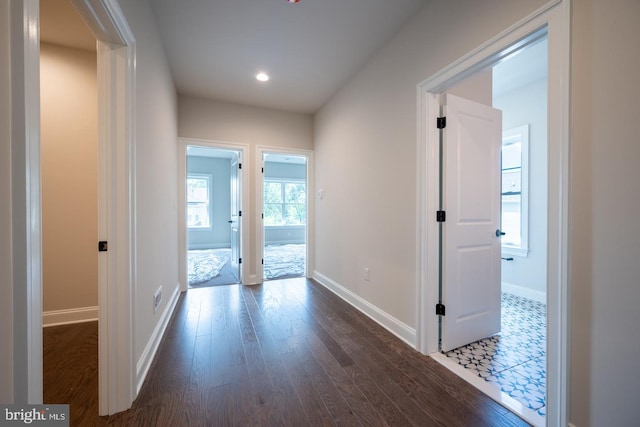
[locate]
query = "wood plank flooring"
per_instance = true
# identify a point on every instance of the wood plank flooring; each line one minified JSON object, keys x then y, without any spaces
{"x":289,"y":353}
{"x":70,"y":370}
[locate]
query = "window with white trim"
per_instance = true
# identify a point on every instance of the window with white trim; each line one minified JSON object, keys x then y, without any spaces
{"x":199,"y":201}
{"x":515,"y":191}
{"x":285,"y":202}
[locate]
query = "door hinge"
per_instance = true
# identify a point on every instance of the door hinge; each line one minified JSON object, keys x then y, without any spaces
{"x":262,"y":170}
{"x":262,"y":261}
{"x":441,"y":216}
{"x":239,"y":213}
{"x":441,"y":122}
{"x":103,"y":246}
{"x":239,"y":260}
{"x":262,"y":216}
{"x":239,"y":165}
{"x":439,"y":309}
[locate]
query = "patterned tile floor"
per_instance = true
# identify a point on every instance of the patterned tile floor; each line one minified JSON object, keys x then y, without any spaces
{"x":515,"y":359}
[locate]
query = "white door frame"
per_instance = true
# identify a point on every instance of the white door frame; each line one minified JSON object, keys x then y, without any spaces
{"x":116,"y":170}
{"x":555,"y":16}
{"x":309,"y":232}
{"x":182,"y":202}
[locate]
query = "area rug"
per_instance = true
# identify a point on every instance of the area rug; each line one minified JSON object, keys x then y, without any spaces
{"x":205,"y":264}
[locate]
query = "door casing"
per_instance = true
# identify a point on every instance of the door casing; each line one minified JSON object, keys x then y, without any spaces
{"x":260,"y":152}
{"x":554,"y":19}
{"x":243,"y":149}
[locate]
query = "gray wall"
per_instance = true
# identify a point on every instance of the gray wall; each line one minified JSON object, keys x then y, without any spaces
{"x":371,"y":122}
{"x":280,"y":235}
{"x":528,"y":105}
{"x":220,"y":234}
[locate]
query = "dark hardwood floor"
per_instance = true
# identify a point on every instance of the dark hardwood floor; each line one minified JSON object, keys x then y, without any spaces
{"x":70,"y":374}
{"x":285,"y":353}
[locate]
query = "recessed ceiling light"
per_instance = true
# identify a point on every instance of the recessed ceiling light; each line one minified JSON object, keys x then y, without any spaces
{"x":263,"y":77}
{"x":293,"y":1}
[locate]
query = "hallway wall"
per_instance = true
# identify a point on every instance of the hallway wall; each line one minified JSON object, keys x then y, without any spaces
{"x":372,"y":209}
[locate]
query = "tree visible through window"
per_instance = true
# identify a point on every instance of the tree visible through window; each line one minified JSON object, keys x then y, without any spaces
{"x":285,"y":202}
{"x":198,"y":201}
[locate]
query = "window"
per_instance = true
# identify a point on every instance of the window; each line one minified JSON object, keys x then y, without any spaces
{"x":198,"y":201}
{"x":285,"y":202}
{"x":515,"y":185}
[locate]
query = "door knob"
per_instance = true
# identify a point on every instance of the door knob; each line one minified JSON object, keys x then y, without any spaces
{"x":500,"y":233}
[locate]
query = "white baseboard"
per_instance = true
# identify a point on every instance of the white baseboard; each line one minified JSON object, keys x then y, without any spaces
{"x":523,"y":292}
{"x":144,"y":363}
{"x":70,"y":316}
{"x":390,"y":323}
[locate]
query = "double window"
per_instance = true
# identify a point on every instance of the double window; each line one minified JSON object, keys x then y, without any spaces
{"x":515,"y":189}
{"x":285,"y":202}
{"x":199,"y":201}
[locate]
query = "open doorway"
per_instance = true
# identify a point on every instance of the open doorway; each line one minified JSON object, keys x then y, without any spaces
{"x":513,"y":360}
{"x":213,"y":213}
{"x":284,"y":215}
{"x":69,"y":175}
{"x":552,"y":21}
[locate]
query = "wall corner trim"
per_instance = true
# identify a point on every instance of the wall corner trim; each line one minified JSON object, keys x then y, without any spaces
{"x":384,"y":319}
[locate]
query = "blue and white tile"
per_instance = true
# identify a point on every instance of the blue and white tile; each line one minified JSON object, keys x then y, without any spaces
{"x":513,"y":360}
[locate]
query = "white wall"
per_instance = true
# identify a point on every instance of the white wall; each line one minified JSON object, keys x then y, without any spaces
{"x":369,"y":207}
{"x":69,"y":159}
{"x":6,"y":276}
{"x":226,"y":122}
{"x":156,"y":173}
{"x":605,"y":236}
{"x":528,"y":105}
{"x":372,"y":122}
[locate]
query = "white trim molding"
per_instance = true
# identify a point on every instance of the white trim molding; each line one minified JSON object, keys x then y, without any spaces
{"x":245,"y":179}
{"x":384,"y":319}
{"x":116,"y":201}
{"x":70,"y":316}
{"x":25,"y":203}
{"x":554,"y":21}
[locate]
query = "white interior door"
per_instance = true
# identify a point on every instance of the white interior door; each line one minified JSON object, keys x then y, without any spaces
{"x":234,"y":221}
{"x":471,"y":243}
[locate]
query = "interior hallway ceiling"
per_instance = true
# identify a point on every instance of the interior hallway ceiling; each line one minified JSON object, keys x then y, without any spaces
{"x":310,"y":49}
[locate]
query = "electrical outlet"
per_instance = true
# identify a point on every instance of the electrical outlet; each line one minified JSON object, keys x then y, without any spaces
{"x":365,"y":274}
{"x":157,"y":299}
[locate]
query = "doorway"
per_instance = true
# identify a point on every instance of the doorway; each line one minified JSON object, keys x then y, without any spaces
{"x":285,"y":218}
{"x":213,"y":216}
{"x":512,"y":358}
{"x":553,"y":20}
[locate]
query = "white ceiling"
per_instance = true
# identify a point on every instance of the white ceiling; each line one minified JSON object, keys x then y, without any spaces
{"x":216,"y":47}
{"x":310,"y":49}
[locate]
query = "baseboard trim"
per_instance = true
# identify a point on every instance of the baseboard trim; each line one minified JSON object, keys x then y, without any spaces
{"x":69,"y":316}
{"x":144,"y":363}
{"x":384,"y":319}
{"x":523,"y":292}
